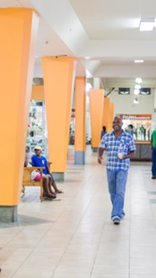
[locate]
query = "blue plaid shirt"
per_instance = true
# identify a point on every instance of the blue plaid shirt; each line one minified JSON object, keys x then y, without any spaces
{"x":124,"y":144}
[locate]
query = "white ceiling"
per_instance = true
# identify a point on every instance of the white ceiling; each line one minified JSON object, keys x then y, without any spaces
{"x":114,"y":20}
{"x":103,"y":35}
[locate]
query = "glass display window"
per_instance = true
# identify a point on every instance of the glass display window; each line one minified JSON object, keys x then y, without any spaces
{"x":139,"y":126}
{"x":37,"y":128}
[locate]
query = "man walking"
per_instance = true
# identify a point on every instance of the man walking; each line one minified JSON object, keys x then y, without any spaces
{"x":120,"y":147}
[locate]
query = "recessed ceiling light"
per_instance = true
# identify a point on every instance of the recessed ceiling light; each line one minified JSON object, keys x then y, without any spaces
{"x":138,"y":61}
{"x":138,"y":80}
{"x":136,"y":92}
{"x":147,"y":24}
{"x":138,"y":86}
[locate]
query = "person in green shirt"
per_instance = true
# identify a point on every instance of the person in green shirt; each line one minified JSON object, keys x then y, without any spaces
{"x":153,"y":147}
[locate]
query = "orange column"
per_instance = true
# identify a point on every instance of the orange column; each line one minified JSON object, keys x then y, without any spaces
{"x":110,"y":117}
{"x":18,"y":33}
{"x":58,"y":88}
{"x":37,"y":92}
{"x":80,"y":120}
{"x":96,"y":113}
{"x":106,"y":107}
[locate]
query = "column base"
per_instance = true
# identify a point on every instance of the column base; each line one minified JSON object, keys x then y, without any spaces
{"x":8,"y":214}
{"x":58,"y":176}
{"x":94,"y":150}
{"x":79,"y":158}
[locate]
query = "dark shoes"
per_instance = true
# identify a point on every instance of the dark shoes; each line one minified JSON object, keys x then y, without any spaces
{"x":153,"y":177}
{"x":116,"y":220}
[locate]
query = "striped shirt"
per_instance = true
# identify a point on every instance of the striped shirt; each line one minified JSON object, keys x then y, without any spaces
{"x":123,"y":144}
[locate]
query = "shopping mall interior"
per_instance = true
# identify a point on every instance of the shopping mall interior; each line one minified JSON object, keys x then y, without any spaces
{"x":68,"y":67}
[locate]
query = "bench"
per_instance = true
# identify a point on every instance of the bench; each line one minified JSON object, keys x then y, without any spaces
{"x":28,"y":182}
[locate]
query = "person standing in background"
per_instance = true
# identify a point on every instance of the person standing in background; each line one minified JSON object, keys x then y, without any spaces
{"x":103,"y":132}
{"x":153,"y":147}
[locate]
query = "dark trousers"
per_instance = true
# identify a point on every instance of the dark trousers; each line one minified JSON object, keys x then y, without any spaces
{"x":154,"y":161}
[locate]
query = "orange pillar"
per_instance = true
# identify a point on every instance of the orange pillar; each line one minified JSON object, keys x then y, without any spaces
{"x":80,"y":120}
{"x":37,"y":92}
{"x":110,"y":117}
{"x":96,"y":113}
{"x":18,"y":33}
{"x":106,"y":107}
{"x":58,"y":87}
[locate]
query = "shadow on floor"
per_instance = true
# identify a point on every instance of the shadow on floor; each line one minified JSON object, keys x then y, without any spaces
{"x":25,"y":220}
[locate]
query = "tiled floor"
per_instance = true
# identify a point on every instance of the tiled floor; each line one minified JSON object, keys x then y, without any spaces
{"x":74,"y":237}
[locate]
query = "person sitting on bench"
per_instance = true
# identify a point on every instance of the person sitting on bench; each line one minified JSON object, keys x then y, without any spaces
{"x":38,"y":160}
{"x":47,"y":192}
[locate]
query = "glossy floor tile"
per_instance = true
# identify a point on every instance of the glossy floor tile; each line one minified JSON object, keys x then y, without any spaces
{"x":73,"y":237}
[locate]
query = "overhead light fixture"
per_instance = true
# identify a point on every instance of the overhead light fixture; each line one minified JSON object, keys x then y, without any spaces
{"x":147,"y":24}
{"x":138,"y":61}
{"x":138,"y":86}
{"x":136,"y":92}
{"x":138,"y":80}
{"x":136,"y":101}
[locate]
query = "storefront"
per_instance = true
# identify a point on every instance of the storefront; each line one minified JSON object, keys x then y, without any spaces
{"x":139,"y":126}
{"x":37,"y":128}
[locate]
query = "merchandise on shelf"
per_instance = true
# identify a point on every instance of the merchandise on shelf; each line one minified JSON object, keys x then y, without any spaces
{"x":37,"y":128}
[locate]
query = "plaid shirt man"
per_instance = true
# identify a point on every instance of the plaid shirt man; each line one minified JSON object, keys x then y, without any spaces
{"x":124,"y":143}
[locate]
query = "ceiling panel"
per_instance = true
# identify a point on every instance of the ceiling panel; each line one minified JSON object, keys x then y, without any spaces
{"x":108,"y":20}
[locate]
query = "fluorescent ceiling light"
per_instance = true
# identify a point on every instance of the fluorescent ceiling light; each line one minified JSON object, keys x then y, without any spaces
{"x":136,"y":92}
{"x":138,"y":61}
{"x":147,"y":24}
{"x":138,"y":80}
{"x":138,"y":86}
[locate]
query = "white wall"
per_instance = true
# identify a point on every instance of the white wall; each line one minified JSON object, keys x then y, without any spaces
{"x":123,"y":104}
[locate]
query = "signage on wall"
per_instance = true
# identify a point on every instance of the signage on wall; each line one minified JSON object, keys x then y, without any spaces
{"x":136,"y":117}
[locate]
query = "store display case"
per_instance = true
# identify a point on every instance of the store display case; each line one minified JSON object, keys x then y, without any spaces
{"x":37,"y":128}
{"x":139,"y":126}
{"x":143,"y":151}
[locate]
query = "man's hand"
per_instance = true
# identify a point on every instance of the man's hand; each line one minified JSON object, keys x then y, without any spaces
{"x":100,"y":154}
{"x":130,"y":155}
{"x":100,"y":159}
{"x":121,"y":157}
